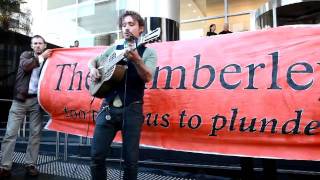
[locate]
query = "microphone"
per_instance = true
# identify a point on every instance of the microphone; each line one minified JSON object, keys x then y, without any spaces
{"x":132,"y":43}
{"x":131,"y":36}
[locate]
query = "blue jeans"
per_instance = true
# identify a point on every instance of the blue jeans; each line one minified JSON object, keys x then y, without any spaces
{"x":105,"y":132}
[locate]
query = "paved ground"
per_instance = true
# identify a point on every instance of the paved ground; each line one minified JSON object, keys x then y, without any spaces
{"x":50,"y":169}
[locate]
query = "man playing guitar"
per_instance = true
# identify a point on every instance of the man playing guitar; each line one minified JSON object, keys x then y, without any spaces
{"x":122,"y":108}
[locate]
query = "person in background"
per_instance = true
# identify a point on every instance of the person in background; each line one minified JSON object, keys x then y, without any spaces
{"x":225,"y":29}
{"x":25,"y":100}
{"x":75,"y":44}
{"x":212,"y":30}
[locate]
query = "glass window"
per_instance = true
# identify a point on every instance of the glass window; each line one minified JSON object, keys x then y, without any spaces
{"x":192,"y":30}
{"x":53,"y":4}
{"x":218,"y":22}
{"x":214,"y":7}
{"x":98,"y":40}
{"x":239,"y":23}
{"x":236,"y":6}
{"x":129,"y":4}
{"x":106,"y":39}
{"x":62,"y":25}
{"x":98,"y":18}
{"x":200,"y":8}
{"x":265,"y":20}
{"x":83,"y":22}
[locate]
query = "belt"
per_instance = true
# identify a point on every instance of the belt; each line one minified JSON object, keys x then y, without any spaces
{"x":134,"y":102}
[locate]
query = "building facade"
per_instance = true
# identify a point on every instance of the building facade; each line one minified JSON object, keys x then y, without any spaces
{"x":288,"y":12}
{"x":94,"y":22}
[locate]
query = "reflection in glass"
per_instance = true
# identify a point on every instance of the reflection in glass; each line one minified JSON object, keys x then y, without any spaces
{"x":53,"y":4}
{"x":239,"y":23}
{"x":102,"y":17}
{"x":214,"y":7}
{"x":106,"y":39}
{"x":236,"y":6}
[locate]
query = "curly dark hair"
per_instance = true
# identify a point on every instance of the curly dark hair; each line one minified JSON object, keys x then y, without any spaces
{"x":136,"y":16}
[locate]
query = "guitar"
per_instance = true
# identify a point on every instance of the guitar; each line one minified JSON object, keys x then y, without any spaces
{"x":111,"y":73}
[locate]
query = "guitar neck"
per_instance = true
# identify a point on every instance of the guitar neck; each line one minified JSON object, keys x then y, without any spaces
{"x":114,"y":61}
{"x":121,"y":56}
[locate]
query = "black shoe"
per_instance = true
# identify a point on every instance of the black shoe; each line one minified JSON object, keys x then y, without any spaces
{"x":4,"y":173}
{"x":32,"y":170}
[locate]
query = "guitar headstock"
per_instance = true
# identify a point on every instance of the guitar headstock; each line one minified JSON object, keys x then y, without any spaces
{"x":150,"y":37}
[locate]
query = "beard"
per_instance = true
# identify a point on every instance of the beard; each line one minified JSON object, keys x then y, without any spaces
{"x":38,"y":51}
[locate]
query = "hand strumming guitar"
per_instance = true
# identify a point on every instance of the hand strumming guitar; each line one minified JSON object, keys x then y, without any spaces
{"x":133,"y":56}
{"x":143,"y":71}
{"x":94,"y":74}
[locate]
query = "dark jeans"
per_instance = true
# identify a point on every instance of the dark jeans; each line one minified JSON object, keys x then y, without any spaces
{"x":105,"y":132}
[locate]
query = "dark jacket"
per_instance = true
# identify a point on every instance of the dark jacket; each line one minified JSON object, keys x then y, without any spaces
{"x":225,"y":32}
{"x":27,"y":63}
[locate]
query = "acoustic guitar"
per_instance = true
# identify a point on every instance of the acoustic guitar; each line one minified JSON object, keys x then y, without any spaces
{"x":111,"y":73}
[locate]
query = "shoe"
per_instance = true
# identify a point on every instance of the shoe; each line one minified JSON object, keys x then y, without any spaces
{"x":31,"y":170}
{"x":4,"y":173}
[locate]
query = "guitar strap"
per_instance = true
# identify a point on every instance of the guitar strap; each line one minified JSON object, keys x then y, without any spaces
{"x":141,"y":50}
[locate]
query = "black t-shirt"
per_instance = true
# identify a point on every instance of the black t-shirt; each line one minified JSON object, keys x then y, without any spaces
{"x":211,"y":33}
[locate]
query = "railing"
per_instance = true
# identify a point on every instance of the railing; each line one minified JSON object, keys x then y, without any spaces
{"x":22,"y":133}
{"x":246,"y":168}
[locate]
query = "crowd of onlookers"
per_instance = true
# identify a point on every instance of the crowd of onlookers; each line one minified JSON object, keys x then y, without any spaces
{"x":212,"y":30}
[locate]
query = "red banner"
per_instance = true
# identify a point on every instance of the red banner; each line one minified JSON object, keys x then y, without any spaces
{"x":246,"y":94}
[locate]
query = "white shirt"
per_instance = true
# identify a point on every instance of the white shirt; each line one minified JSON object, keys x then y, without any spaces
{"x":34,"y":80}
